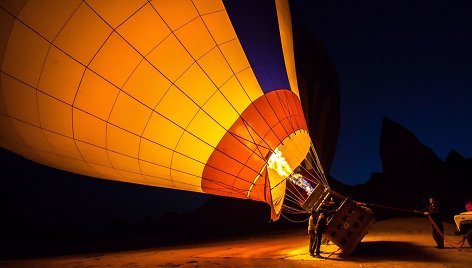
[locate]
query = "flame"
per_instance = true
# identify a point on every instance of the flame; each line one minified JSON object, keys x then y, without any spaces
{"x":278,"y":163}
{"x":298,"y":180}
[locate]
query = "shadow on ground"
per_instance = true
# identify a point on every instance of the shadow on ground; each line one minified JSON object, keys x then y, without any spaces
{"x":374,"y":251}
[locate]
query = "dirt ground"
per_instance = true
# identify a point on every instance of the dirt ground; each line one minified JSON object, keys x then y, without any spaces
{"x":390,"y":243}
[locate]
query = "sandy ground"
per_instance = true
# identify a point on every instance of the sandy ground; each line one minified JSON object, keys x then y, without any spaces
{"x":391,"y":243}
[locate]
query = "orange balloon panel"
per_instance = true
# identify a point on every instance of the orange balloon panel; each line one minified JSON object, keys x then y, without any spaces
{"x":190,"y":95}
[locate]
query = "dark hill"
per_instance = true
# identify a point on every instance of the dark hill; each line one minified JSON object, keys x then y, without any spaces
{"x":412,"y":172}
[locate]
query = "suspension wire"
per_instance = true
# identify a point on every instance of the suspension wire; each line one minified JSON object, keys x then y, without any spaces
{"x":294,"y":195}
{"x":317,"y":166}
{"x":315,"y":169}
{"x":291,"y":206}
{"x":290,"y":211}
{"x":457,"y":245}
{"x":294,"y":213}
{"x":289,"y":198}
{"x":298,"y":192}
{"x":318,"y":163}
{"x":292,"y":202}
{"x":312,"y":176}
{"x":295,"y":200}
{"x":391,"y":208}
{"x":294,"y":221}
{"x":296,"y":210}
{"x":452,"y":243}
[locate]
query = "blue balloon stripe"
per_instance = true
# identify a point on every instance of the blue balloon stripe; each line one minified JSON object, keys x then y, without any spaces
{"x":256,"y":26}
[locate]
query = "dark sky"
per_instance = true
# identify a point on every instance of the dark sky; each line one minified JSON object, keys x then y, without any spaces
{"x":408,"y":60}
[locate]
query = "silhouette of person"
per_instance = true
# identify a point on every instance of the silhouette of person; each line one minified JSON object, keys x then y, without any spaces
{"x":311,"y":230}
{"x":328,"y":206}
{"x":432,"y":210}
{"x":320,"y":228}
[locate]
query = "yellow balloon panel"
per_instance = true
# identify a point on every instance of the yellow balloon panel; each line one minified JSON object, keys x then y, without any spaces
{"x":106,"y":171}
{"x":96,"y":96}
{"x":24,"y":55}
{"x":196,"y":85}
{"x":83,"y":34}
{"x":234,"y":55}
{"x":10,"y":139}
{"x":222,"y":113}
{"x":79,"y":166}
{"x":175,"y":13}
{"x":156,"y":174}
{"x":50,"y":159}
{"x":232,"y":90}
{"x":219,"y":26}
{"x":116,"y":13}
{"x":250,"y":84}
{"x":147,"y":85}
{"x":89,"y":129}
{"x":93,"y":154}
{"x":144,"y":30}
{"x":163,"y":131}
{"x":20,"y":101}
{"x":177,"y":107}
{"x":195,"y":38}
{"x":124,"y":162}
{"x":63,"y":146}
{"x":194,"y":148}
{"x":32,"y":136}
{"x":122,"y":141}
{"x":170,"y":58}
{"x":55,"y":115}
{"x":48,"y":17}
{"x":123,"y":66}
{"x":215,"y":66}
{"x":153,"y":153}
{"x":183,"y":164}
{"x":208,"y":6}
{"x":186,"y":181}
{"x":130,"y":114}
{"x":285,"y":24}
{"x":61,"y":76}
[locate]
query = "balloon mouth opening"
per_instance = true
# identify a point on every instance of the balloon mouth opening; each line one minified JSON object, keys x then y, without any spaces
{"x":281,"y":165}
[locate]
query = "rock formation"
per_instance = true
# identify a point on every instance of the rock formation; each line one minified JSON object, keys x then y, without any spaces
{"x":412,"y":172}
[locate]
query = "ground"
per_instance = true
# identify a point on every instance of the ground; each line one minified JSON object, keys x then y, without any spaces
{"x":390,"y":243}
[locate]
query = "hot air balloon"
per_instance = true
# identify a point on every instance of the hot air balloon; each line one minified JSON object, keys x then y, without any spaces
{"x":195,"y":95}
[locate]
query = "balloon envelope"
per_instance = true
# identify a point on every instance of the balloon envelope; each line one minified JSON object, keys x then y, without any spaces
{"x":190,"y":95}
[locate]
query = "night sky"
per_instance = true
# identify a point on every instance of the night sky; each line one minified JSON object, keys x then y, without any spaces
{"x":407,"y":60}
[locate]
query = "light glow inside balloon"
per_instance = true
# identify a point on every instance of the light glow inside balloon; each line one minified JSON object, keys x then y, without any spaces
{"x":190,"y":95}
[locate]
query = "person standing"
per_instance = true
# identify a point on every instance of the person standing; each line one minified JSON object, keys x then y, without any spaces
{"x":432,"y":210}
{"x":311,"y":230}
{"x":328,"y":207}
{"x":320,"y":228}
